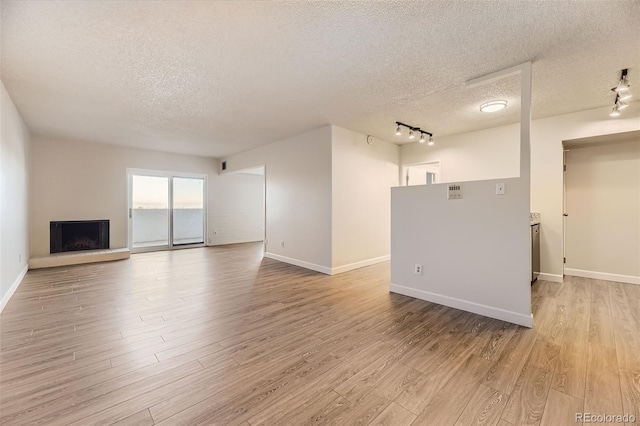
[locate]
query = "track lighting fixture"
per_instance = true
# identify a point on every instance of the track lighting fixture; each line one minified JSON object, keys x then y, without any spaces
{"x":413,"y":131}
{"x":622,"y":94}
{"x":623,"y":85}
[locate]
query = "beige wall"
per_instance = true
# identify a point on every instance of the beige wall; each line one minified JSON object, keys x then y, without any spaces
{"x":298,"y":196}
{"x":603,"y":203}
{"x":83,"y":181}
{"x":237,"y":209}
{"x":362,"y":178}
{"x":15,"y":145}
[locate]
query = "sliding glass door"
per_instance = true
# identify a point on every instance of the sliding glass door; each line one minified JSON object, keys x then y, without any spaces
{"x":166,"y":210}
{"x":188,"y":211}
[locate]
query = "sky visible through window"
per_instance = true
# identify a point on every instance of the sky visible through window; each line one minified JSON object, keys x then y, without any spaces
{"x":152,"y":192}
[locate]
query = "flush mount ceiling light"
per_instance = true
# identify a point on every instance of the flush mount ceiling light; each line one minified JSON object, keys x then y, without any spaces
{"x":622,"y":94}
{"x":493,"y":106}
{"x":413,"y":131}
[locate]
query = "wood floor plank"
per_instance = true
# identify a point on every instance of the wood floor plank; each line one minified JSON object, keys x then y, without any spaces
{"x":526,"y":403}
{"x":602,"y":392}
{"x":484,"y":408}
{"x":394,"y":415}
{"x":561,"y":409}
{"x":220,"y":335}
{"x":449,"y":403}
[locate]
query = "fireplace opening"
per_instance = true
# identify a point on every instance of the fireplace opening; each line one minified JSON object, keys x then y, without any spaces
{"x":77,"y":235}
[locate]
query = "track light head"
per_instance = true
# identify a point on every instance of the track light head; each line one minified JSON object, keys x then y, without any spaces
{"x":398,"y":130}
{"x":411,"y":135}
{"x":615,"y":112}
{"x":431,"y":142}
{"x":422,"y":139}
{"x":623,"y":85}
{"x":621,"y":104}
{"x":624,"y":96}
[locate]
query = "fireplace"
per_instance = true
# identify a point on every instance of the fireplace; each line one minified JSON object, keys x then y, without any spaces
{"x":76,"y":235}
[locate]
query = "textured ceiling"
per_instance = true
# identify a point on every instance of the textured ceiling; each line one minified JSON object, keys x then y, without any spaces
{"x":215,"y":78}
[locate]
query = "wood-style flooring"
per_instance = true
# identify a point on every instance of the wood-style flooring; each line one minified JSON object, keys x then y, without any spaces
{"x":220,"y":336}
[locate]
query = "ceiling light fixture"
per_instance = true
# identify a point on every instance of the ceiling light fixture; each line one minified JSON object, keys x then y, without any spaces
{"x":615,"y":112}
{"x":622,"y":94}
{"x":412,"y":132}
{"x":431,"y":142}
{"x":493,"y":106}
{"x":623,"y":85}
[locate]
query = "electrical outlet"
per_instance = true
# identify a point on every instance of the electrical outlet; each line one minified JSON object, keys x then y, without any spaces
{"x":418,"y":269}
{"x":499,"y":188}
{"x":281,"y":243}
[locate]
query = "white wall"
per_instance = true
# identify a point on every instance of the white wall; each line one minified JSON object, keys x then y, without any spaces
{"x":84,"y":180}
{"x":237,"y":209}
{"x":298,"y":196}
{"x":362,"y":177}
{"x":474,"y":252}
{"x":492,"y":153}
{"x":603,"y":203}
{"x":15,"y":145}
{"x":485,"y":154}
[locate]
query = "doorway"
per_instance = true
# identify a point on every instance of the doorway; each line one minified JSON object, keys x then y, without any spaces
{"x":422,"y":174}
{"x":602,"y":207}
{"x":166,"y":210}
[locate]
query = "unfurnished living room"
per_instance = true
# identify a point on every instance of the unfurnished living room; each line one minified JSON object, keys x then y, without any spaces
{"x":346,"y":212}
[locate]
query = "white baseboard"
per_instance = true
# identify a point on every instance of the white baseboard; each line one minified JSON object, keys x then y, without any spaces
{"x":465,"y":305}
{"x":301,"y":263}
{"x":13,"y":288}
{"x":629,"y":279}
{"x":361,"y":264}
{"x":550,"y":277}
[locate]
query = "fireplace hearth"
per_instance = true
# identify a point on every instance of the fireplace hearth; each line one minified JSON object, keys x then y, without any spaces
{"x":77,"y":235}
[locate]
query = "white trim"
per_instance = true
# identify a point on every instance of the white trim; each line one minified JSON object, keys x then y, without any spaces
{"x":301,"y":263}
{"x":361,"y":264}
{"x":629,"y":279}
{"x":465,"y":305}
{"x":551,"y":277}
{"x":13,"y":288}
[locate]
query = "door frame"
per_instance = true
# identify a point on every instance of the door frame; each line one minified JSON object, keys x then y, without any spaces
{"x":170,"y":175}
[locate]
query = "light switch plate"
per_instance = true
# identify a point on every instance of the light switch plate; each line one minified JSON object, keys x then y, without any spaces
{"x":499,"y":188}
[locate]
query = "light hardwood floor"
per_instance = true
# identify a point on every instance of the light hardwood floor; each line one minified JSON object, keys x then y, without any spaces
{"x":222,"y":336}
